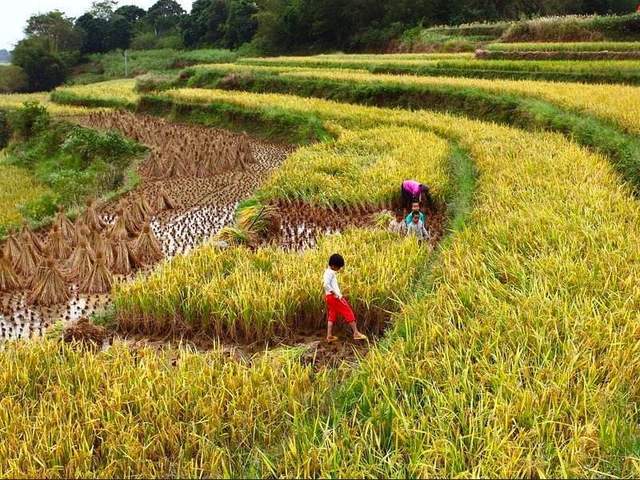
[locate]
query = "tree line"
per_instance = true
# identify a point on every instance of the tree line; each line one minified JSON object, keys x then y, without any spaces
{"x":54,"y":43}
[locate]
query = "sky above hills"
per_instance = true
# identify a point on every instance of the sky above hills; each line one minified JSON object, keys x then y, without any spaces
{"x":16,"y":12}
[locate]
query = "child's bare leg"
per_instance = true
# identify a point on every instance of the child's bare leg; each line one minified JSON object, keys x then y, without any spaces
{"x":330,"y":336}
{"x":356,"y":333}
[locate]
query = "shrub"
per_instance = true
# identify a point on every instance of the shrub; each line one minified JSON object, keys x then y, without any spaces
{"x":13,"y":79}
{"x":29,"y":120}
{"x":40,"y":208}
{"x":144,"y":41}
{"x":171,"y":41}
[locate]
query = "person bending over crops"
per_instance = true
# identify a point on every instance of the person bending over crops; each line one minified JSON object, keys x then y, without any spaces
{"x":417,"y":229}
{"x":413,"y":191}
{"x":336,"y":303}
{"x":398,"y":225}
{"x":415,"y":208}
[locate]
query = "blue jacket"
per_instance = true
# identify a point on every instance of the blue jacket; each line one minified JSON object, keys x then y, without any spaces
{"x":409,"y":218}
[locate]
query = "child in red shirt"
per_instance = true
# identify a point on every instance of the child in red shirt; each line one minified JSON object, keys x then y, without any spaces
{"x":336,"y":304}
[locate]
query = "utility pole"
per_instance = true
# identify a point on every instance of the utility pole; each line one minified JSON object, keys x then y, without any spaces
{"x":126,"y":64}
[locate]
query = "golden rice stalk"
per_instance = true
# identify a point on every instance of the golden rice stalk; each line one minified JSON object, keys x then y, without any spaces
{"x":50,"y":287}
{"x":9,"y":281}
{"x":146,"y":248}
{"x":237,"y":235}
{"x":259,"y":219}
{"x":100,"y":279}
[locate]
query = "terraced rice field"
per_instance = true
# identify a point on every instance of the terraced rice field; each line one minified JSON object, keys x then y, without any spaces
{"x":508,"y":346}
{"x":596,"y":71}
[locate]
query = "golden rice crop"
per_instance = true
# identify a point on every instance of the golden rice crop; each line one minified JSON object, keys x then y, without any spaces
{"x":254,"y":295}
{"x":519,"y":359}
{"x":17,"y":187}
{"x":618,"y":69}
{"x":17,"y":100}
{"x":361,"y":167}
{"x":116,"y":91}
{"x":616,"y":103}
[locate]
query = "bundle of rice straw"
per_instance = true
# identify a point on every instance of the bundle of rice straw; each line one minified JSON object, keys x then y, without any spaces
{"x":56,"y":245}
{"x":124,"y":259}
{"x":64,"y":225}
{"x":141,"y":209}
{"x":79,"y":233}
{"x":85,"y":333}
{"x":12,"y":249}
{"x":49,"y":286}
{"x":119,"y":228}
{"x":102,"y":245}
{"x":28,"y":260}
{"x":145,"y":206}
{"x":147,"y":249}
{"x":81,"y":263}
{"x":132,"y":222}
{"x":91,"y":218}
{"x":162,"y":201}
{"x":9,"y":281}
{"x":100,"y":279}
{"x":30,"y":238}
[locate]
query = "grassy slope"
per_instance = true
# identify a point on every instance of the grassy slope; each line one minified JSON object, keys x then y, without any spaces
{"x":109,"y":66}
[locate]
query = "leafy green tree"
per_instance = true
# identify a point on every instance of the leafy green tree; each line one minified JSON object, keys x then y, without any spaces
{"x":57,"y":29}
{"x":95,"y":31}
{"x":13,"y":79}
{"x":164,"y":16}
{"x":44,"y":69}
{"x":205,"y":25}
{"x":103,"y":9}
{"x":132,"y":13}
{"x":241,"y":24}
